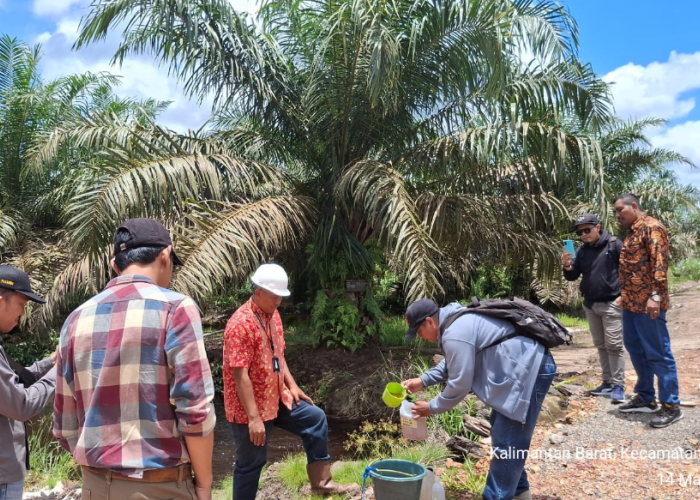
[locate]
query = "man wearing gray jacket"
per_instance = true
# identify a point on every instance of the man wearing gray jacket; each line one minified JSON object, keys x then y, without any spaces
{"x":17,"y":402}
{"x":512,"y":377}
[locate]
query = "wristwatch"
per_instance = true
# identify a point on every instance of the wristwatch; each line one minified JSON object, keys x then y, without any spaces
{"x":655,"y":297}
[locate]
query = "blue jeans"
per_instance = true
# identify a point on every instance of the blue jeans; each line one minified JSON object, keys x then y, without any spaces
{"x":510,"y":441}
{"x":305,"y":420}
{"x":649,"y":344}
{"x":11,"y":491}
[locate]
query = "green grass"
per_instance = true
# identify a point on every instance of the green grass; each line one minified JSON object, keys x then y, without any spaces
{"x":464,"y":479}
{"x":686,"y":270}
{"x":223,"y":489}
{"x":49,"y":462}
{"x":572,"y":321}
{"x":569,"y":380}
{"x":292,"y":470}
{"x":392,"y":331}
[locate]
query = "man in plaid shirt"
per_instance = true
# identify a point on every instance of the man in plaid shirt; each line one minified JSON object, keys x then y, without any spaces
{"x":134,"y":387}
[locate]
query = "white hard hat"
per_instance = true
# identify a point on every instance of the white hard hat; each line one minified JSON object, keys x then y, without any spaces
{"x":273,"y":278}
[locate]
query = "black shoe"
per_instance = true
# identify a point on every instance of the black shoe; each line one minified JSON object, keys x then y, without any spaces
{"x":636,"y":405}
{"x":669,"y":413}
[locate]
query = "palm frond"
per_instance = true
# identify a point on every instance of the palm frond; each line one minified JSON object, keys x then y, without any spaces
{"x":380,"y":193}
{"x":226,"y":241}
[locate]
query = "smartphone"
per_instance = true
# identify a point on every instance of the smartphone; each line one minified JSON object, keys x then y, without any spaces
{"x":569,"y":247}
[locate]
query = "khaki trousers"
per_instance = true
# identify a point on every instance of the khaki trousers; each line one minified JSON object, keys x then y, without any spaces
{"x":605,"y":323}
{"x":97,"y":487}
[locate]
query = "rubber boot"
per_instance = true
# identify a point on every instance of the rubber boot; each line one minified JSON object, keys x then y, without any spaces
{"x":322,"y":482}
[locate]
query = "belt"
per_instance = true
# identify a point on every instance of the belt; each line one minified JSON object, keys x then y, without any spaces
{"x":149,"y":476}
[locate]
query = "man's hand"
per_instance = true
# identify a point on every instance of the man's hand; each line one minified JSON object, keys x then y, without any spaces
{"x":421,"y":409}
{"x":54,"y":355}
{"x":202,"y":493}
{"x":653,"y":308}
{"x":618,"y":301}
{"x":566,"y":259}
{"x":298,"y":394}
{"x":412,"y":385}
{"x":256,"y":429}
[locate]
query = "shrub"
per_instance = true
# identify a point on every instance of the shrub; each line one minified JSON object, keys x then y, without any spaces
{"x":376,"y":439}
{"x":686,"y":270}
{"x":49,"y":462}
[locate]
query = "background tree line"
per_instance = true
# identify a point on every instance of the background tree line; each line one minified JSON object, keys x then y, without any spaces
{"x":427,"y":147}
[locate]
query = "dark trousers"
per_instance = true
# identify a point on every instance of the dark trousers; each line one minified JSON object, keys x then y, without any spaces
{"x":507,"y":476}
{"x":649,"y":344}
{"x":305,"y":420}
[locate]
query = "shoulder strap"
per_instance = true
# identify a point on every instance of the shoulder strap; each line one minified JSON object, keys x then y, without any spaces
{"x":25,"y":376}
{"x":453,"y":317}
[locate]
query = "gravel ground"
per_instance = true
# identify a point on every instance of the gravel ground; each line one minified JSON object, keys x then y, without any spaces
{"x":608,"y":425}
{"x":617,"y":456}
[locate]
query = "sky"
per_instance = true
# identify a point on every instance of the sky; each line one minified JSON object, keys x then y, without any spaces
{"x":649,"y":50}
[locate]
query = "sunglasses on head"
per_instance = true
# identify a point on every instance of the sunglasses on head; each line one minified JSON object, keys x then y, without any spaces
{"x":584,"y":231}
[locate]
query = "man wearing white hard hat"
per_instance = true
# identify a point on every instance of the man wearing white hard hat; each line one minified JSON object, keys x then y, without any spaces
{"x":260,"y":392}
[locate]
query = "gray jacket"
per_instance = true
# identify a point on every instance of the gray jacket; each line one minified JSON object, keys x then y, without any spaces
{"x":17,"y":405}
{"x":502,"y":376}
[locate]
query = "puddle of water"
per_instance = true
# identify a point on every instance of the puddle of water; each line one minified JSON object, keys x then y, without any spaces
{"x":280,"y":445}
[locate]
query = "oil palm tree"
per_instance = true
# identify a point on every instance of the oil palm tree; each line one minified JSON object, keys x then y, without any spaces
{"x":416,"y":126}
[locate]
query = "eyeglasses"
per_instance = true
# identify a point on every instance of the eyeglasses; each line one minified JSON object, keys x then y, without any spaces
{"x":584,"y":231}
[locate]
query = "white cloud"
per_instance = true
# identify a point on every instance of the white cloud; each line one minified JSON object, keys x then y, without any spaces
{"x":656,"y":89}
{"x":661,"y":90}
{"x":52,"y":7}
{"x":685,"y":139}
{"x":141,"y":77}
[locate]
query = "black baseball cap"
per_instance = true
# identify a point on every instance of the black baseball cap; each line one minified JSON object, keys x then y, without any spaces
{"x":145,"y":233}
{"x":17,"y":280}
{"x":586,"y":219}
{"x":417,"y":313}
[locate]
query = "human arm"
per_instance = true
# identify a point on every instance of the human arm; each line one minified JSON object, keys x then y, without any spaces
{"x":294,"y":389}
{"x":65,"y":421}
{"x":20,"y":403}
{"x":436,"y":375}
{"x":459,"y":361}
{"x":658,"y":248}
{"x":201,"y":451}
{"x":244,"y":388}
{"x":42,"y":367}
{"x":192,"y":389}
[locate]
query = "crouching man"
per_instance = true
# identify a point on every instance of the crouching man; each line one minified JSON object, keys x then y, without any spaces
{"x":260,"y":392}
{"x":512,"y":377}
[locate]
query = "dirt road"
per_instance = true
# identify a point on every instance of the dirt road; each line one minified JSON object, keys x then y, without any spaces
{"x":606,"y":454}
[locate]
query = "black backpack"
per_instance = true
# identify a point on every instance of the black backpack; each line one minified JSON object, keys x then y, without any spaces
{"x":529,"y":320}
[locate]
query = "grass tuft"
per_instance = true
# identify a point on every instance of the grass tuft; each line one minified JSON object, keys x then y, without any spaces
{"x":292,"y":470}
{"x":392,"y":332}
{"x":572,"y":321}
{"x":48,"y":461}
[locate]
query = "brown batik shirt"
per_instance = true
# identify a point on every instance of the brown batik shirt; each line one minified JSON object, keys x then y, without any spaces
{"x":644,"y":265}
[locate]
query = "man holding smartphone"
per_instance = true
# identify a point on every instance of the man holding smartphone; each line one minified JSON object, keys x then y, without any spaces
{"x":598,"y":260}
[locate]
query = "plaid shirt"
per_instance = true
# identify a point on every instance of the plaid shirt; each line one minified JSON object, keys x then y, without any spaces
{"x":133,"y":377}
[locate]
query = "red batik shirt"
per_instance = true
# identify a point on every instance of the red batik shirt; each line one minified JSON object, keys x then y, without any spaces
{"x":247,"y":345}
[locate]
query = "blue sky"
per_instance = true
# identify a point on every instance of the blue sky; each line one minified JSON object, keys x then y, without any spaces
{"x":649,"y":49}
